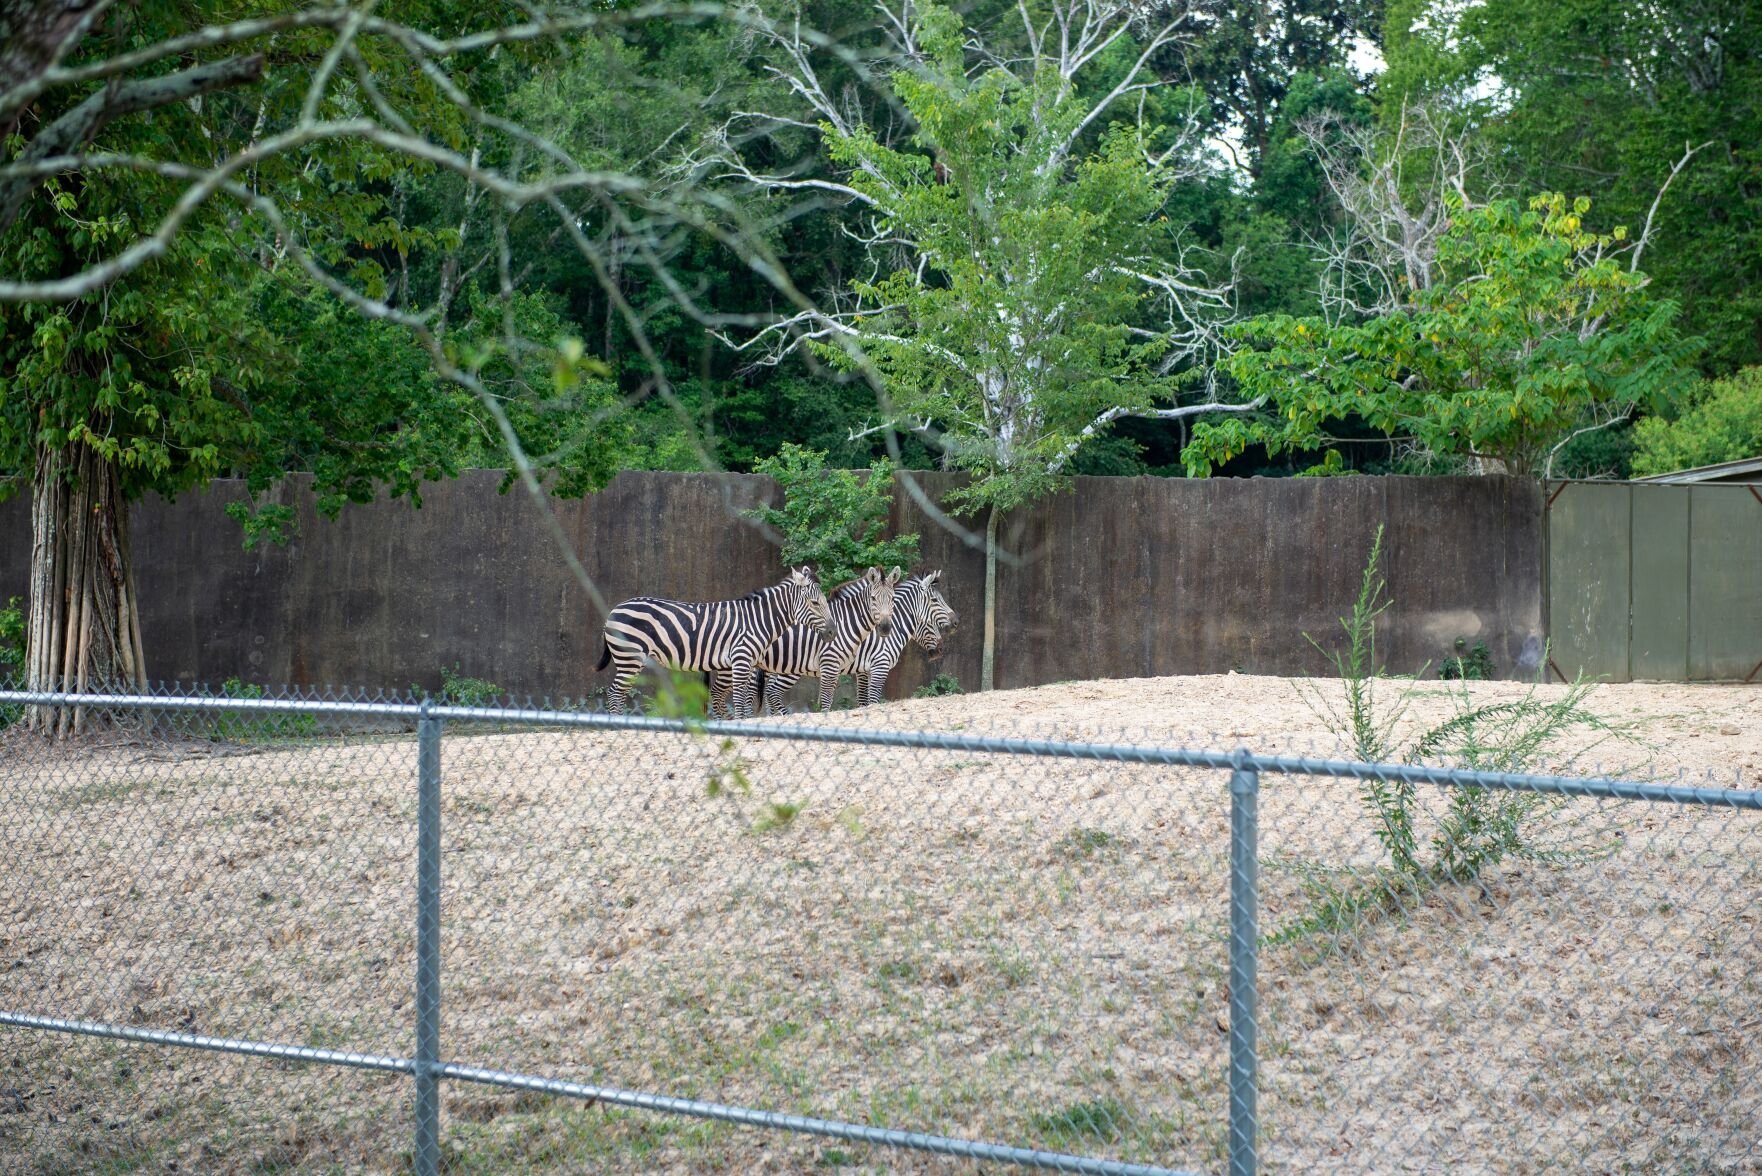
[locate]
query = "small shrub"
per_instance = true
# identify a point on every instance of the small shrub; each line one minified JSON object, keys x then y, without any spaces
{"x":938,"y":686}
{"x":779,"y":814}
{"x":680,"y":694}
{"x":12,"y":622}
{"x":1468,"y":665}
{"x":459,"y":690}
{"x":727,"y":771}
{"x":254,"y":727}
{"x":832,"y":518}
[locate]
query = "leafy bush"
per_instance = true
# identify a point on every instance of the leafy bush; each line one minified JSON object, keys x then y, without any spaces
{"x":938,"y":686}
{"x":253,"y":727}
{"x":832,"y":519}
{"x":681,"y":694}
{"x":12,"y":622}
{"x":1722,"y":422}
{"x":1476,"y":828}
{"x":1468,"y":664}
{"x":459,"y":690}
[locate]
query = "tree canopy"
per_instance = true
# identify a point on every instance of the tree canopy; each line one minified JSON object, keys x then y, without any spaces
{"x":377,"y":244}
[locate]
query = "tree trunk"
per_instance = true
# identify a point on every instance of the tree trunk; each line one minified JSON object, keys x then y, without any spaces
{"x":84,"y":631}
{"x":988,"y":654}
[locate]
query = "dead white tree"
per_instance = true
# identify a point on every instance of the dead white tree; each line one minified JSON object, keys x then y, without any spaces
{"x":1397,"y":190}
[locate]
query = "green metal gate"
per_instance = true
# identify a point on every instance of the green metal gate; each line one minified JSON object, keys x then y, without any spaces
{"x":1655,"y":582}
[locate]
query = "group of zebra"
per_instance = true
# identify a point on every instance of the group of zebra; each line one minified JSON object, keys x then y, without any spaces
{"x":768,"y":640}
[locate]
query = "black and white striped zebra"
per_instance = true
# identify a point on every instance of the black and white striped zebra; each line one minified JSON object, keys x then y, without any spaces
{"x":859,"y":608}
{"x":920,"y":614}
{"x":723,"y":636}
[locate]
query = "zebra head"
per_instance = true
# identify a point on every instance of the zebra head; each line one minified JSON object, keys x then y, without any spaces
{"x":882,"y":590}
{"x":808,"y":604}
{"x":935,"y":617}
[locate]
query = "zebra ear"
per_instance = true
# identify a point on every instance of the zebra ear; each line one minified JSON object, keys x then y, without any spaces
{"x":895,"y":574}
{"x":872,"y":574}
{"x":934,"y":577}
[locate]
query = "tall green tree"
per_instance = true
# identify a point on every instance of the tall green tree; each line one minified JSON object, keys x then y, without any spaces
{"x":834,"y":519}
{"x":1719,"y":421}
{"x":1529,"y":331}
{"x":174,"y":195}
{"x":1605,"y":99}
{"x":1029,"y":290}
{"x":1250,"y":59}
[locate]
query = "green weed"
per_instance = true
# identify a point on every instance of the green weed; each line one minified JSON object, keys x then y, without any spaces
{"x":1477,"y":828}
{"x":1087,"y":843}
{"x":778,"y":814}
{"x":1103,"y":1119}
{"x":941,"y":684}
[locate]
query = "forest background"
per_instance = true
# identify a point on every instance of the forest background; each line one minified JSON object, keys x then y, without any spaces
{"x":384,"y":243}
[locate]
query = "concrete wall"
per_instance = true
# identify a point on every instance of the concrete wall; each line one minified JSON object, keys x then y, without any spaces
{"x":1119,"y":577}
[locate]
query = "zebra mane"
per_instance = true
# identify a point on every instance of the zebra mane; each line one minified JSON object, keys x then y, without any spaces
{"x":767,"y":590}
{"x":849,"y":586}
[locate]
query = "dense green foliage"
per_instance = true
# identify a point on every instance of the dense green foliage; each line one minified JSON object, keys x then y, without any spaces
{"x":1007,"y":328}
{"x":1603,"y":99}
{"x":221,"y":357}
{"x":1531,"y":328}
{"x":1721,"y":420}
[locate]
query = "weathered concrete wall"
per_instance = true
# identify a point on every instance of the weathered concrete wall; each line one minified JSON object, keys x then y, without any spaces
{"x":1137,"y":577}
{"x":1119,"y":577}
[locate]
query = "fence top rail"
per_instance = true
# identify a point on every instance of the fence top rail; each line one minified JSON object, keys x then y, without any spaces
{"x":1240,"y":759}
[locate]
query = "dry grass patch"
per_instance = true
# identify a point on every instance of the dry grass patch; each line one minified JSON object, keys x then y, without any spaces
{"x":971,"y":944}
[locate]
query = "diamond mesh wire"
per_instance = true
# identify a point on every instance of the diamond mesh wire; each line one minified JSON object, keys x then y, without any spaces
{"x":1027,"y":949}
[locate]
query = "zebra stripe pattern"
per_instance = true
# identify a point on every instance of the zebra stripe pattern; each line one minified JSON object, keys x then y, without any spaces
{"x":726,"y":636}
{"x":859,"y":607}
{"x":920,"y":614}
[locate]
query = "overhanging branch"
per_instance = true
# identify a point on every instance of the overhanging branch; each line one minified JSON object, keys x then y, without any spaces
{"x":84,"y":121}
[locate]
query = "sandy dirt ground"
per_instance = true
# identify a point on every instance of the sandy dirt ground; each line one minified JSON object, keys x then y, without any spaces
{"x":988,"y":946}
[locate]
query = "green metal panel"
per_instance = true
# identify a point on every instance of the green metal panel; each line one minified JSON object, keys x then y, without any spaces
{"x":1660,"y":583}
{"x":1725,"y":584}
{"x":1589,"y":565}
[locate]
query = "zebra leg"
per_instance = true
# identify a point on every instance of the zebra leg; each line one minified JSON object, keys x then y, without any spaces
{"x":742,"y":675}
{"x":862,"y":687}
{"x":777,"y":687}
{"x":720,"y":686}
{"x":828,"y":688}
{"x":872,"y":687}
{"x":618,"y":693}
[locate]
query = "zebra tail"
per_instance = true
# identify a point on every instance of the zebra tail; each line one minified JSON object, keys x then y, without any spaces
{"x":605,"y":655}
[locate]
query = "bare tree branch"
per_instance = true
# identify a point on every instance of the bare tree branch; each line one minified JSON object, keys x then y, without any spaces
{"x":84,"y":121}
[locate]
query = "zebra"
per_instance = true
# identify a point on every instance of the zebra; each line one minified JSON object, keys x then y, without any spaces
{"x":722,"y":635}
{"x":859,"y":608}
{"x":920,"y":614}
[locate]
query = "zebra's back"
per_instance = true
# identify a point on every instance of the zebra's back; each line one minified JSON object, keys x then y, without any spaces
{"x":687,"y":635}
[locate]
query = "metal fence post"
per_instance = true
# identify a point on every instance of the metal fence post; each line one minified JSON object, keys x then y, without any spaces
{"x":1244,"y":969}
{"x":428,"y":987}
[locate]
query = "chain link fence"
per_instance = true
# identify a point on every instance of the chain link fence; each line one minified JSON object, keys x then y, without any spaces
{"x":320,"y":933}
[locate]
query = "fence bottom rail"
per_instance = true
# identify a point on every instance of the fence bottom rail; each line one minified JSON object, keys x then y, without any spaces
{"x":610,"y":1095}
